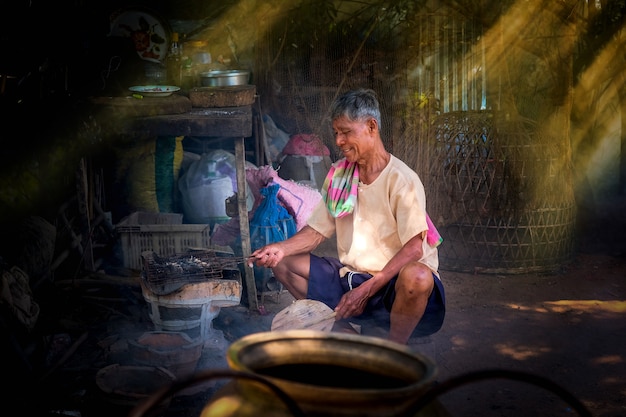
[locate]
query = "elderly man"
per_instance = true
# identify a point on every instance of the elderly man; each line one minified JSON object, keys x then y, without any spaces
{"x":375,"y":205}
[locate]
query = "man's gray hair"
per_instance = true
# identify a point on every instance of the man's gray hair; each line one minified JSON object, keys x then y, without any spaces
{"x":358,"y":104}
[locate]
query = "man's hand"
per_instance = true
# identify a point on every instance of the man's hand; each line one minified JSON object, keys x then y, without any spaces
{"x":268,"y":256}
{"x":353,"y":302}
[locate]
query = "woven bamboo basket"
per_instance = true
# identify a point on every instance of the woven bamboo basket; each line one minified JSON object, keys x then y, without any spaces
{"x":501,"y":195}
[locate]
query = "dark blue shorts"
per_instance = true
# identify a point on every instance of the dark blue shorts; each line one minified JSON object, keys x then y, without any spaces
{"x":327,"y":286}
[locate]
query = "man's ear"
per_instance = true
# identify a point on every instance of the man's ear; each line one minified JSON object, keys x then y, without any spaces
{"x":372,"y":125}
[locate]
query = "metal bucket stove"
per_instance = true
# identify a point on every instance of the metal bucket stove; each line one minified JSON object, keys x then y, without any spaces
{"x":186,"y":292}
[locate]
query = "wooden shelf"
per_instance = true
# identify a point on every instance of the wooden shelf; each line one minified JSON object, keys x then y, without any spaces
{"x":228,"y":122}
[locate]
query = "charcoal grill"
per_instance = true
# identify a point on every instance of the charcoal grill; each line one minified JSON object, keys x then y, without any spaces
{"x":165,"y":275}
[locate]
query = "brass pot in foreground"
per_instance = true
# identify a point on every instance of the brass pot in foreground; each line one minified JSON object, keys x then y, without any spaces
{"x":325,"y":374}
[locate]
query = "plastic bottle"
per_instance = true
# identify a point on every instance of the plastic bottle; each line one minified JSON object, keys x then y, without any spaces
{"x":174,"y":61}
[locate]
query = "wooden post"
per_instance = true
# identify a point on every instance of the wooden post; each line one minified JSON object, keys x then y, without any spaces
{"x":244,"y":225}
{"x":84,"y":214}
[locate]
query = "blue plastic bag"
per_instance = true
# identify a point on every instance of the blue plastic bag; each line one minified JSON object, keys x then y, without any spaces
{"x":270,"y":223}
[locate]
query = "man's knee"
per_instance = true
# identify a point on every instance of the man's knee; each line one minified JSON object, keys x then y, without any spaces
{"x":280,"y":270}
{"x":287,"y":266}
{"x":415,"y":277}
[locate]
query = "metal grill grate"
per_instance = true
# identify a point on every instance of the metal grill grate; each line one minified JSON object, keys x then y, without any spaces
{"x":164,"y":275}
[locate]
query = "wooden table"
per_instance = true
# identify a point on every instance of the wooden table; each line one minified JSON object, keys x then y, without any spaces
{"x":174,"y":115}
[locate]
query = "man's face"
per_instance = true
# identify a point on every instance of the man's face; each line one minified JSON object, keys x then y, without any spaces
{"x":353,"y":138}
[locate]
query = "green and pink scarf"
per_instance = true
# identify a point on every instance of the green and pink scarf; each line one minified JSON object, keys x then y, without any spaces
{"x":340,"y":188}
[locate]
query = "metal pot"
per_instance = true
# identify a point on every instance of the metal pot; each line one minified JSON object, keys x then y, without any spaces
{"x":221,"y":78}
{"x":326,"y":374}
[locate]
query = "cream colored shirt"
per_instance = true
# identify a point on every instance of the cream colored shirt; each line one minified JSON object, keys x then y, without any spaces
{"x":388,"y":213}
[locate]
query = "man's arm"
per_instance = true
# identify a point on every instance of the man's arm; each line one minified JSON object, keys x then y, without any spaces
{"x":411,"y":251}
{"x":304,"y":241}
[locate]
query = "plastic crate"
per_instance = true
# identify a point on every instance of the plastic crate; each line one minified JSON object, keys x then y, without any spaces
{"x":162,"y":233}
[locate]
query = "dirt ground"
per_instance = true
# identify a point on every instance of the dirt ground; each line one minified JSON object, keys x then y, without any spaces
{"x":568,"y":328}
